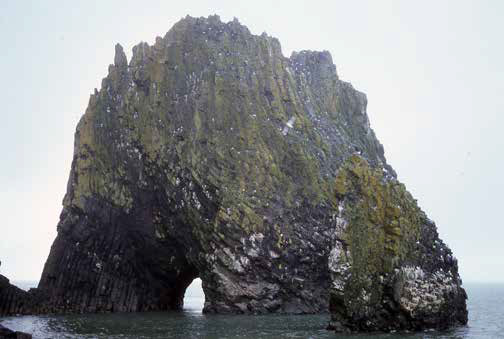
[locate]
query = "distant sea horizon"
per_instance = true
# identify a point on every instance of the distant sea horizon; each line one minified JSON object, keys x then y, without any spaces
{"x":485,"y":305}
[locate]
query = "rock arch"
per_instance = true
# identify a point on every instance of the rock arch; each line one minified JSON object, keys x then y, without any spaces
{"x":212,"y":155}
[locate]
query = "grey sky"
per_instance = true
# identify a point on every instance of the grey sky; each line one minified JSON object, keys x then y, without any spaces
{"x":433,"y":72}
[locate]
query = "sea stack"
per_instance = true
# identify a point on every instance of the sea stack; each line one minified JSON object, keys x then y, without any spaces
{"x":389,"y":269}
{"x":209,"y":154}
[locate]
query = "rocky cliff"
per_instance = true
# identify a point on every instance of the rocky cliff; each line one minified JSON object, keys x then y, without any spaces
{"x":209,"y":154}
{"x":389,"y":269}
{"x":14,"y":300}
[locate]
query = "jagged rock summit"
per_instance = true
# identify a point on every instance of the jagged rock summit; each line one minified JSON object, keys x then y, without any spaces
{"x":211,"y":155}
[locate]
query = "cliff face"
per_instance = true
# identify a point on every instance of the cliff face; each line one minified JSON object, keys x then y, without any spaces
{"x":389,"y":269}
{"x":212,"y":155}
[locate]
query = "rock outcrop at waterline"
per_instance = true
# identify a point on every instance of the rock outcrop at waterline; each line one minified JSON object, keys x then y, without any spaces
{"x":212,"y":155}
{"x":389,"y":269}
{"x":14,"y":300}
{"x":5,"y":333}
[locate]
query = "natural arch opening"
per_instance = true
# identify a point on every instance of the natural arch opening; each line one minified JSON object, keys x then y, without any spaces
{"x":194,"y":297}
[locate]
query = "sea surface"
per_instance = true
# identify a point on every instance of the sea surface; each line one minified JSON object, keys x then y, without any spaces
{"x":486,"y":320}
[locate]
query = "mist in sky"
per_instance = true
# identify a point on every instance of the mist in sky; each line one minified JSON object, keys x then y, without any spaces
{"x":433,"y":73}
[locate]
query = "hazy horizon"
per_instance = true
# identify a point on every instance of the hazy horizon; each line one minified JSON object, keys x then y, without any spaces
{"x":432,"y":72}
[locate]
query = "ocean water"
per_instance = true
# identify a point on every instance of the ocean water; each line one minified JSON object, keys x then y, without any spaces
{"x":486,"y":320}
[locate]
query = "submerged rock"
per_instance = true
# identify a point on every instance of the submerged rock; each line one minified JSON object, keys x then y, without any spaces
{"x":212,"y":155}
{"x":5,"y":333}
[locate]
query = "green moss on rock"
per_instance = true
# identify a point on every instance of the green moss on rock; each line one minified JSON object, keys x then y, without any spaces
{"x":211,"y":154}
{"x":383,"y":233}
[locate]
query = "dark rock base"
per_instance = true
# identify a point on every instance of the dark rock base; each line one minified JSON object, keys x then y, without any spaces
{"x":6,"y":333}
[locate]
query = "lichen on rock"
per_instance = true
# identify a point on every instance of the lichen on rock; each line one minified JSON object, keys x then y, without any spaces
{"x":389,"y":269}
{"x":210,"y":154}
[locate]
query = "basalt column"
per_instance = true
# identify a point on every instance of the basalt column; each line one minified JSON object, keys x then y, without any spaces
{"x":209,"y":154}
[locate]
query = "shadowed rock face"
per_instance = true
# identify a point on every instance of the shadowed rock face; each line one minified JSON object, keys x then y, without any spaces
{"x":209,"y":155}
{"x":212,"y":155}
{"x":14,"y":300}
